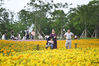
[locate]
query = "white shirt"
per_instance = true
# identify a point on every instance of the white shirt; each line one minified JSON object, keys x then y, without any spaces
{"x":19,"y":36}
{"x":12,"y":36}
{"x":24,"y":38}
{"x":51,"y":42}
{"x":3,"y":37}
{"x":46,"y":36}
{"x":69,"y":35}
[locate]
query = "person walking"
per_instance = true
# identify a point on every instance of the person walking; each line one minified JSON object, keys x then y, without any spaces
{"x":68,"y":36}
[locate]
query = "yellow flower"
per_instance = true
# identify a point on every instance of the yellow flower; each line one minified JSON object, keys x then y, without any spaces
{"x":5,"y":51}
{"x":12,"y":50}
{"x":24,"y":53}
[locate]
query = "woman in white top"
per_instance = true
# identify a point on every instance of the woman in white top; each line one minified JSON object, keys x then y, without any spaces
{"x":3,"y":37}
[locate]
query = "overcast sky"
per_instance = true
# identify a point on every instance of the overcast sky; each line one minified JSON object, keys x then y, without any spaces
{"x":17,"y":5}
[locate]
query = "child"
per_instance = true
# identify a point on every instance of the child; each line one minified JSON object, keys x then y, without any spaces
{"x":50,"y":43}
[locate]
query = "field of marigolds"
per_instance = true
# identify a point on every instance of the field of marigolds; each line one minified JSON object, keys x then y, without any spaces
{"x":33,"y":53}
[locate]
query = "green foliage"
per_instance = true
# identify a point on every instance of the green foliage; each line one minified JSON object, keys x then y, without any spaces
{"x":44,"y":19}
{"x":59,"y":20}
{"x":39,"y":16}
{"x":84,"y":17}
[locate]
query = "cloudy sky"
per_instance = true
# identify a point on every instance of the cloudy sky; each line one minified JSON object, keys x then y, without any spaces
{"x":17,"y":5}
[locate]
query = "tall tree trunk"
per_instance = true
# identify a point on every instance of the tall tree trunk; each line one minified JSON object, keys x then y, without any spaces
{"x":61,"y":34}
{"x":96,"y":33}
{"x":85,"y":33}
{"x":97,"y":29}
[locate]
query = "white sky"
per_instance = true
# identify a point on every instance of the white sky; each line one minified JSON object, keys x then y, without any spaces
{"x":17,"y":5}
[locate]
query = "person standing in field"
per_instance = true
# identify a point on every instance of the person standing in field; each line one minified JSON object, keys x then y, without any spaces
{"x":53,"y":35}
{"x":4,"y":37}
{"x":32,"y":35}
{"x":68,"y":36}
{"x":27,"y":35}
{"x":19,"y":36}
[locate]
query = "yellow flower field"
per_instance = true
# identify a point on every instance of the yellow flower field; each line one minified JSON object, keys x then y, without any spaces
{"x":33,"y":53}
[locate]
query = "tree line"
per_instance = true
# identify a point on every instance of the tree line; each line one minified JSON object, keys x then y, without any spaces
{"x":82,"y":20}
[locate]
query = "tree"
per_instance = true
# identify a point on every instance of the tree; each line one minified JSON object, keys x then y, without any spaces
{"x":39,"y":13}
{"x":7,"y":24}
{"x":58,"y":21}
{"x":84,"y":17}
